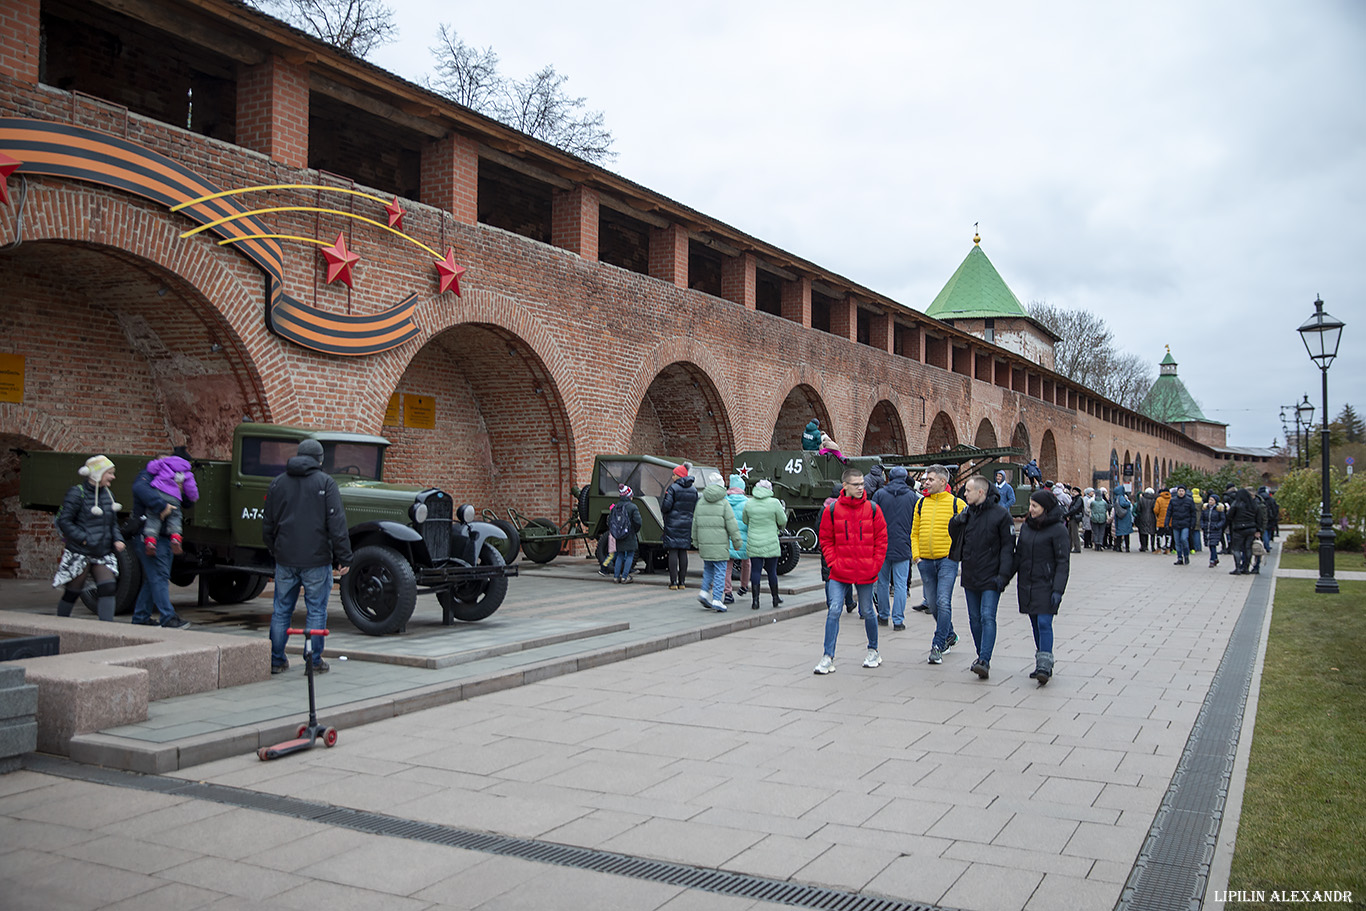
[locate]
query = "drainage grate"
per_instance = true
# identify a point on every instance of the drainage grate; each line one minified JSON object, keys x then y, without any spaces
{"x":1172,"y":870}
{"x":674,"y":874}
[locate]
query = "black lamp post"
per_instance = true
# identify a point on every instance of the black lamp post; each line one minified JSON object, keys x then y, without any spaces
{"x":1305,"y":412}
{"x":1321,"y":334}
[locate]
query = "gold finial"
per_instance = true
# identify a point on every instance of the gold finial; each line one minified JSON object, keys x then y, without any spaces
{"x":1169,"y":349}
{"x":976,"y":235}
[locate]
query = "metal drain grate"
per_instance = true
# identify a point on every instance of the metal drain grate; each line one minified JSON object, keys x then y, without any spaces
{"x":1172,"y":870}
{"x":668,"y":873}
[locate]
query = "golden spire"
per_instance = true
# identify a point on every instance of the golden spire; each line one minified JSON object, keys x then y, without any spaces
{"x":976,"y":235}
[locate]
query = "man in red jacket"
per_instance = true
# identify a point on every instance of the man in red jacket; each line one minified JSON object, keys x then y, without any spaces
{"x":854,"y":543}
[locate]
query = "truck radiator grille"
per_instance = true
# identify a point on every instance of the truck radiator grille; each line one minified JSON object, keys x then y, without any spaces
{"x":436,"y":531}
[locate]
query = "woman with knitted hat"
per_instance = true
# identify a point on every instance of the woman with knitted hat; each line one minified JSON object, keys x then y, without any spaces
{"x":89,"y":523}
{"x":1042,"y":561}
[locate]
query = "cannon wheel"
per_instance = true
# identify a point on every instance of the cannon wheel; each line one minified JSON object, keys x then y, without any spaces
{"x":234,"y":588}
{"x":512,"y":545}
{"x":787,"y":561}
{"x":478,"y":599}
{"x":535,"y":549}
{"x":808,"y":540}
{"x":129,"y":584}
{"x":380,"y":591}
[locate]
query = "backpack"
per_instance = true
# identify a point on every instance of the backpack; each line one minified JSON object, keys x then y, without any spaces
{"x":619,"y":521}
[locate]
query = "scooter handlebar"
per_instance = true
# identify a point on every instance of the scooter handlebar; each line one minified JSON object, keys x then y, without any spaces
{"x":306,"y":632}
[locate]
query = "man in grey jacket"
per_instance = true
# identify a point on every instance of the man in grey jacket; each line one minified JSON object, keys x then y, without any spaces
{"x":305,"y":530}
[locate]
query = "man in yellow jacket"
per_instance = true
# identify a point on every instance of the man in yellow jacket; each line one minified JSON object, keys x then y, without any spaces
{"x":930,"y":549}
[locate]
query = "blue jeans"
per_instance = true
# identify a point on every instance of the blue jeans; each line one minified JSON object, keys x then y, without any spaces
{"x":621,"y":564}
{"x":1213,"y":551}
{"x":156,"y":582}
{"x":1266,"y":540}
{"x":1183,"y":543}
{"x":1043,"y":631}
{"x":893,"y":575}
{"x":316,"y":582}
{"x":714,"y":578}
{"x":936,"y":579}
{"x":982,"y":620}
{"x":1195,"y":539}
{"x":835,"y":593}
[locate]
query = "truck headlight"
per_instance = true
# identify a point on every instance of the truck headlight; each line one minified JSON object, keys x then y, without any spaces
{"x":466,"y":513}
{"x":418,"y":513}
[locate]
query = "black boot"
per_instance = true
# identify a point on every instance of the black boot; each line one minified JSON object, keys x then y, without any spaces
{"x":755,"y":604}
{"x":776,"y":599}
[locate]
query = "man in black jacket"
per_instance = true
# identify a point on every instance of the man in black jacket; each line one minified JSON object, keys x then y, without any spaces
{"x":1182,"y":516}
{"x":984,"y":536}
{"x":304,"y":529}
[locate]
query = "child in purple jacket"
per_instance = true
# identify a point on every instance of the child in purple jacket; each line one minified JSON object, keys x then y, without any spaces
{"x":173,"y":478}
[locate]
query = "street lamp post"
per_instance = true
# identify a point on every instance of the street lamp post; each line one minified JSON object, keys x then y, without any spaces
{"x":1305,"y":412}
{"x":1321,"y":334}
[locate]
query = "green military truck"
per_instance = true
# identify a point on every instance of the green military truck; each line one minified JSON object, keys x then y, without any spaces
{"x":649,"y":477}
{"x":405,"y":540}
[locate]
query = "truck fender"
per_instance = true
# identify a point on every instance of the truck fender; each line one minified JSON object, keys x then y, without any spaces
{"x":482,"y":532}
{"x":396,"y":530}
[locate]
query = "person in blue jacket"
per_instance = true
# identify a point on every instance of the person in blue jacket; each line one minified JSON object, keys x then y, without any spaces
{"x":677,"y":507}
{"x":156,"y":566}
{"x":1005,"y":490}
{"x":1124,"y":518}
{"x":897,"y":501}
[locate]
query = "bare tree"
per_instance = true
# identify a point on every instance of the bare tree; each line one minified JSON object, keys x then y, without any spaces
{"x":537,"y":105}
{"x":464,"y":74}
{"x":355,"y":26}
{"x":1086,"y":354}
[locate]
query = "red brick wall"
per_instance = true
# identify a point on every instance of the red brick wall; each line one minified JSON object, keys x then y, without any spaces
{"x":272,"y":110}
{"x":19,"y":34}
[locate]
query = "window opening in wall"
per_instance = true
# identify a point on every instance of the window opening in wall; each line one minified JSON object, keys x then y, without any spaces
{"x":370,"y":150}
{"x":154,"y":73}
{"x":768,"y":294}
{"x":904,"y":341}
{"x":937,"y":352}
{"x":514,"y":202}
{"x":704,"y":268}
{"x":864,"y":327}
{"x":989,"y":330}
{"x":820,"y":312}
{"x":623,"y":241}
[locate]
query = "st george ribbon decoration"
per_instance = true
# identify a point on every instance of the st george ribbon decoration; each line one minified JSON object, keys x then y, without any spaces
{"x":62,"y":150}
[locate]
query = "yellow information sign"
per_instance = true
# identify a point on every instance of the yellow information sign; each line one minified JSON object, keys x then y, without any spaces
{"x":11,"y":378}
{"x":419,"y":411}
{"x":393,"y":415}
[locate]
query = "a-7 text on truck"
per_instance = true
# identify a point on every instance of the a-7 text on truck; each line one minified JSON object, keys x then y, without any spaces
{"x":406,"y":540}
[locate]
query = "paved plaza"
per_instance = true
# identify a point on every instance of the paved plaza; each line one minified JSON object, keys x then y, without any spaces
{"x":912,"y":782}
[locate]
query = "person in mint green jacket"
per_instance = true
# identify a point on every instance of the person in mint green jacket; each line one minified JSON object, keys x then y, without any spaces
{"x":764,"y":514}
{"x":735,"y":496}
{"x":715,"y":531}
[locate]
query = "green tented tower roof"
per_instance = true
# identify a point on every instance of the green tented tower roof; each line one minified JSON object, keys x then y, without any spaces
{"x":976,"y":291}
{"x":1169,"y":401}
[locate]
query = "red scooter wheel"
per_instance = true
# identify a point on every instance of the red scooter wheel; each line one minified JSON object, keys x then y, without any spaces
{"x":303,"y":729}
{"x":330,"y":737}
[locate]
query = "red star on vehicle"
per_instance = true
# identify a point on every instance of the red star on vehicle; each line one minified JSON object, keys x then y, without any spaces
{"x":7,"y":167}
{"x":339,"y":261}
{"x":744,"y":471}
{"x":449,"y":272}
{"x":395,"y":214}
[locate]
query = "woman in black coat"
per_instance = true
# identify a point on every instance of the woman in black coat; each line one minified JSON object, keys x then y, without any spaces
{"x":1042,"y":555}
{"x":89,"y":523}
{"x":677,"y":507}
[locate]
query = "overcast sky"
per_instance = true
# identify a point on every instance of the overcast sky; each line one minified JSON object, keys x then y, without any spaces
{"x":1194,"y":172}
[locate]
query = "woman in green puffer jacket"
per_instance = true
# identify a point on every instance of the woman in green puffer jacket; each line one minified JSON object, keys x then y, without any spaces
{"x":763,"y":516}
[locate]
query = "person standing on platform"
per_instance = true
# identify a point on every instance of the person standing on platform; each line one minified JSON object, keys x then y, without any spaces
{"x":676,"y":506}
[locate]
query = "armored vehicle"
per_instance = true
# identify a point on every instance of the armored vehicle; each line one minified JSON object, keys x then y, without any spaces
{"x":405,"y":540}
{"x":804,"y":479}
{"x":649,"y":476}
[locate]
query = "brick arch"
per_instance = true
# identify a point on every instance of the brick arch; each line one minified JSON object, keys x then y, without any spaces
{"x":686,"y":350}
{"x":1048,"y":457}
{"x":39,"y":428}
{"x":1019,"y":439}
{"x":804,"y":387}
{"x":942,"y":433}
{"x":985,"y":437}
{"x":885,"y":431}
{"x":682,"y":416}
{"x":216,"y":281}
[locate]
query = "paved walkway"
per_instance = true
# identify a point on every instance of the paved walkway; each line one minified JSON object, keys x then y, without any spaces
{"x":909,"y":781}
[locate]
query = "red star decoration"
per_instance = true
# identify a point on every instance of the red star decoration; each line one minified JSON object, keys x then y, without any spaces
{"x":744,"y":471}
{"x":396,"y":213}
{"x":7,"y":167}
{"x":339,"y":261}
{"x":449,"y":272}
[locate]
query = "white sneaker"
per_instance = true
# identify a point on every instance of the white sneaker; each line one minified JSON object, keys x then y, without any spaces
{"x":827,"y":665}
{"x":705,"y":599}
{"x":719,"y":606}
{"x":873,"y":659}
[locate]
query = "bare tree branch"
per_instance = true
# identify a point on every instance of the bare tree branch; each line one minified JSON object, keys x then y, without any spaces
{"x":354,"y":26}
{"x":464,"y":74}
{"x":1086,"y":354}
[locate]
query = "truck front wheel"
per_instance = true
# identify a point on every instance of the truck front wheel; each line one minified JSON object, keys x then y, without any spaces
{"x":234,"y":588}
{"x":479,"y":599}
{"x":380,"y":591}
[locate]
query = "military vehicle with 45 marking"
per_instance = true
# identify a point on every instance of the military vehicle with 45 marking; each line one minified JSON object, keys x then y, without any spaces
{"x":405,"y":540}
